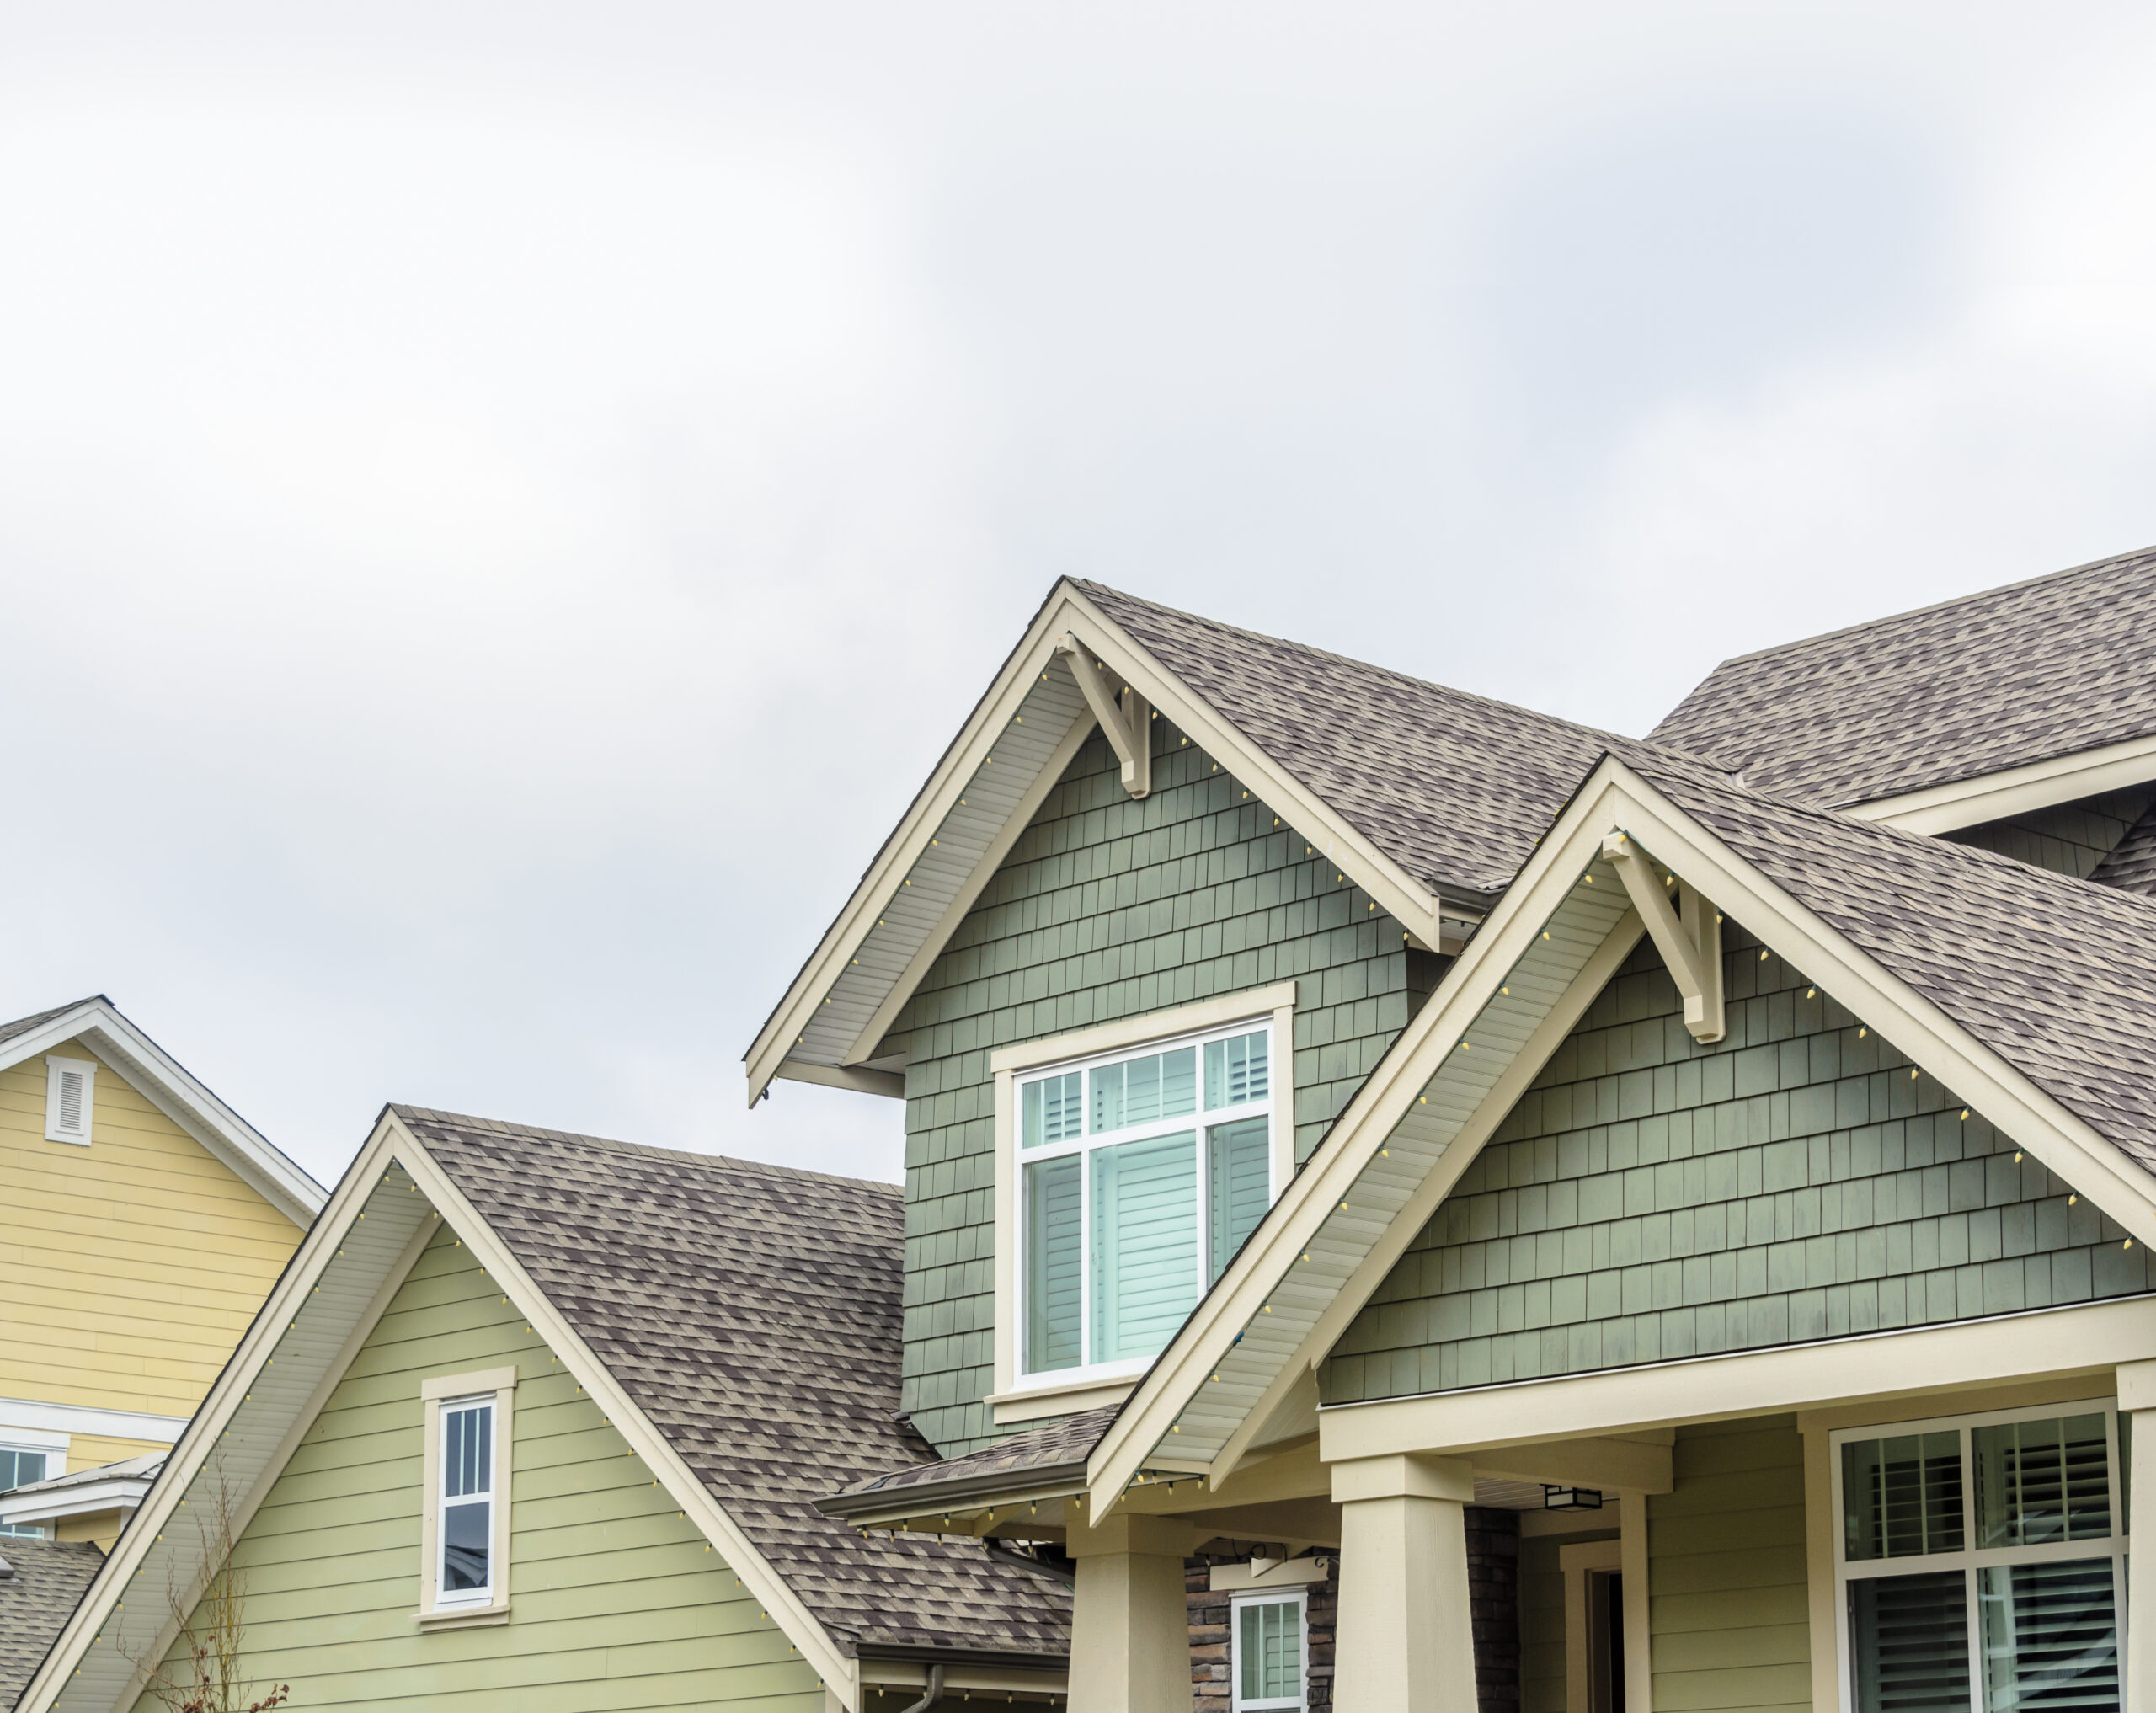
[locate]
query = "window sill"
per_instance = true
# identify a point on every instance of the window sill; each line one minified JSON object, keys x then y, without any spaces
{"x":1035,"y":1403}
{"x":463,"y":1617}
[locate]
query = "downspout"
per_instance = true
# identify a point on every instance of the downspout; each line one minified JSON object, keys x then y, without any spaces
{"x":935,"y":1690}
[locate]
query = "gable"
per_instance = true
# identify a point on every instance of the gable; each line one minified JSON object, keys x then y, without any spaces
{"x":1650,"y":1198}
{"x":1107,"y":908}
{"x":130,"y":1267}
{"x":617,"y":1599}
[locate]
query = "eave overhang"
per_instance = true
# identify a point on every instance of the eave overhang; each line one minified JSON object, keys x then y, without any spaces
{"x":2013,"y":791}
{"x":168,"y":1085}
{"x":1547,"y":948}
{"x":988,"y":784}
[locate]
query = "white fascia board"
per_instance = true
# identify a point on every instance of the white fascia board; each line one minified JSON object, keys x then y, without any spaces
{"x":1242,"y":1348}
{"x":935,"y":864}
{"x":1198,"y":1405}
{"x":2015,"y":790}
{"x":290,"y":1360}
{"x":84,"y":1501}
{"x":62,"y":1420}
{"x":291,"y":1356}
{"x":166,"y":1085}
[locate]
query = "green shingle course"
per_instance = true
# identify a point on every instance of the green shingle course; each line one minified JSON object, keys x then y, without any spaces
{"x":1650,"y":1197}
{"x":1104,"y":909}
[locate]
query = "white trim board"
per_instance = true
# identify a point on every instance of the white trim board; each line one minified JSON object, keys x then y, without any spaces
{"x":161,"y":1079}
{"x":971,"y":810}
{"x":1443,"y":1087}
{"x":2015,"y":790}
{"x":81,"y":1418}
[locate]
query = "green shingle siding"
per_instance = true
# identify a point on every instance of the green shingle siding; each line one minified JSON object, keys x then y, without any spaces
{"x":1650,"y":1198}
{"x":616,"y":1601}
{"x":2071,"y":838}
{"x":1106,"y":908}
{"x":1727,"y":1607}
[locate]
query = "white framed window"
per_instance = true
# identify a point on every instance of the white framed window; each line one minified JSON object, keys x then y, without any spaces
{"x":70,"y":1098}
{"x":20,"y":1466}
{"x":1140,"y":1173}
{"x":464,"y":1569}
{"x":1981,"y":1563}
{"x":1268,"y":1660}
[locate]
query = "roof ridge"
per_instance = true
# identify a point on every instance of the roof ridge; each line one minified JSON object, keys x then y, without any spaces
{"x":1891,"y":618}
{"x":506,"y":1127}
{"x":1370,"y":666}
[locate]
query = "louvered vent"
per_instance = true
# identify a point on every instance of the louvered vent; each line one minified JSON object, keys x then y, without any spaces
{"x":70,"y":1099}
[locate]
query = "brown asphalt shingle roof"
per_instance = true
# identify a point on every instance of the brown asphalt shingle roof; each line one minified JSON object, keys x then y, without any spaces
{"x":41,"y":1584}
{"x":1067,"y":1441}
{"x":2056,"y":975}
{"x":2028,"y":673}
{"x":1454,"y":789}
{"x":753,"y":1313}
{"x":23,"y":1025}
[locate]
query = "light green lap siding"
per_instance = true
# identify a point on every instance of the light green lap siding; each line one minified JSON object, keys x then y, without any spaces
{"x":1104,"y":909}
{"x":1727,"y":1601}
{"x":2069,"y":839}
{"x":1650,"y":1198}
{"x":1541,"y":1627}
{"x":616,"y":1604}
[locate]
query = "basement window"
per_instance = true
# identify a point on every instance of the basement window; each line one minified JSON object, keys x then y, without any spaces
{"x":70,"y":1095}
{"x":1982,"y":1562}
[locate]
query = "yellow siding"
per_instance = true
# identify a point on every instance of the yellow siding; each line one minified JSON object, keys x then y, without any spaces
{"x":94,"y":1451}
{"x":129,"y":1268}
{"x":103,"y":1528}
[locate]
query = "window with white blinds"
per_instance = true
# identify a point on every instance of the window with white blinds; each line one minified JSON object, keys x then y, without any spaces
{"x":1269,"y":1664}
{"x":1140,"y":1175}
{"x":1982,"y":1562}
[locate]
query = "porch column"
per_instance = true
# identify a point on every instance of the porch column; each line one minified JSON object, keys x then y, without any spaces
{"x":1406,"y":1642}
{"x":1129,"y":1620}
{"x":2137,"y":1387}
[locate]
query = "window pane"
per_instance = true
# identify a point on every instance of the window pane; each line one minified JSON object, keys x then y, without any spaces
{"x":1237,"y":1070}
{"x":1144,"y":1090}
{"x":465,"y":1541}
{"x":19,"y":1468}
{"x":1055,"y":1253}
{"x":2051,"y":1637}
{"x":1901,"y":1496}
{"x":1269,"y":1650}
{"x":1145,"y":1244}
{"x":1911,"y":1637}
{"x":1240,"y":1183}
{"x":2042,"y":1480}
{"x":1052,"y":1108}
{"x":467,"y":1451}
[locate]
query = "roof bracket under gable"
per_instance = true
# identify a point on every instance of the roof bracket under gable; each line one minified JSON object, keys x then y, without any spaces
{"x":1126,"y":721}
{"x":1690,"y":943}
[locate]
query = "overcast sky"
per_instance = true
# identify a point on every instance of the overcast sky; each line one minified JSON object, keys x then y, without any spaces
{"x":501,"y":506}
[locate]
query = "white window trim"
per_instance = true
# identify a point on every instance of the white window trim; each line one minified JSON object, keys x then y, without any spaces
{"x":497,"y":1385}
{"x":2116,"y":1548}
{"x":53,"y":1449}
{"x":1579,"y":1560}
{"x":1299,"y":1599}
{"x":55,"y":1065}
{"x":1015,"y":1398}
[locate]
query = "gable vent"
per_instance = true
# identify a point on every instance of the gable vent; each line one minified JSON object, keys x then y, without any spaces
{"x":69,"y":1097}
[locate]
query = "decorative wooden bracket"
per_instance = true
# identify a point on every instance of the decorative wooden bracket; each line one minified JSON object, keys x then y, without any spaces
{"x":1127,"y":721}
{"x":1690,"y":944}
